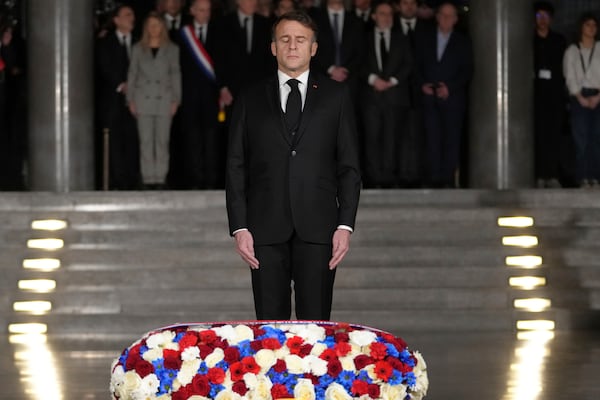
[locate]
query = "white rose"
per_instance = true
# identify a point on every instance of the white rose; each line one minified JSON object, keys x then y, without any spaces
{"x":304,"y":390}
{"x":243,"y":332}
{"x":165,"y":396}
{"x":282,"y":352}
{"x":371,"y":372}
{"x":147,"y":388}
{"x":190,"y":353}
{"x":262,"y":390}
{"x":317,"y":366}
{"x":153,"y":354}
{"x":131,"y":382}
{"x":348,"y":363}
{"x":421,"y":365}
{"x":226,"y":332}
{"x":294,"y":364}
{"x":314,"y":333}
{"x":265,"y":359}
{"x":117,"y":377}
{"x":362,"y":338}
{"x":198,"y":397}
{"x":335,"y":391}
{"x":188,"y":371}
{"x":250,"y":380}
{"x":215,"y":357}
{"x":389,"y":392}
{"x":318,"y":349}
{"x":160,"y":339}
{"x":227,"y":395}
{"x":420,"y":389}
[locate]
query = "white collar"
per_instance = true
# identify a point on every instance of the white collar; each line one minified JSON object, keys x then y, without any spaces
{"x":283,"y":77}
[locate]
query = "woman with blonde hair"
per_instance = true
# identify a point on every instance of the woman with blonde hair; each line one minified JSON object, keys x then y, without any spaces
{"x":153,"y":95}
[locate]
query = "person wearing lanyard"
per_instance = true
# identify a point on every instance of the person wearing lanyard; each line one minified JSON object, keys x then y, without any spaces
{"x":582,"y":73}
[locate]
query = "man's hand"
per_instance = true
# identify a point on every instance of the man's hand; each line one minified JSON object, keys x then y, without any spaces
{"x":225,"y":96}
{"x":133,"y":109}
{"x":339,"y":74}
{"x":428,"y":89}
{"x":442,"y":91}
{"x":245,"y":248}
{"x":381,"y":85}
{"x":341,"y":245}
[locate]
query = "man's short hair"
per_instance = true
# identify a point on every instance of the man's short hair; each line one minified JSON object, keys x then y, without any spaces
{"x":544,"y":6}
{"x":299,"y":16}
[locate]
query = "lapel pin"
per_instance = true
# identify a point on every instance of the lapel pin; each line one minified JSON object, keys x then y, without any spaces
{"x":314,"y":86}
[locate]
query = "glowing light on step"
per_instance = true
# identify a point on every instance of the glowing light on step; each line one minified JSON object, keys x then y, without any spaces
{"x":520,"y":241}
{"x":515,"y":222}
{"x":48,"y":225}
{"x":37,"y":285}
{"x":42,"y":264}
{"x":538,"y":336}
{"x":33,"y":307}
{"x":527,"y":282}
{"x":533,"y":304}
{"x":27,"y":338}
{"x":536,"y":325}
{"x":45,"y":244}
{"x":27,"y":328}
{"x":524,"y":261}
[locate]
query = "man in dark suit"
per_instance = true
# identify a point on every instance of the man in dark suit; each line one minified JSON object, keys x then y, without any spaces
{"x":200,"y":99}
{"x":341,"y":36}
{"x":362,"y":9}
{"x":113,"y":62}
{"x":174,"y":18}
{"x":445,"y":65}
{"x":293,"y":179}
{"x":384,"y":95}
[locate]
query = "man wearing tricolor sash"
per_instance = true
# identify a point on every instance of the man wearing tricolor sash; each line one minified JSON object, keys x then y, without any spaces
{"x":200,"y":99}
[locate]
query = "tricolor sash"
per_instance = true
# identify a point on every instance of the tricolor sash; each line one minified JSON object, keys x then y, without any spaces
{"x":200,"y":54}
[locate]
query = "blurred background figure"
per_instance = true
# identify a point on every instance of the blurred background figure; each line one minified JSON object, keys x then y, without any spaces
{"x":153,"y":95}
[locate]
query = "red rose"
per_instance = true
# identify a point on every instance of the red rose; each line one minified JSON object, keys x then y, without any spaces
{"x":133,"y":357}
{"x":258,"y":331}
{"x":208,"y":336}
{"x":216,"y":375}
{"x":334,"y":368}
{"x":383,"y":370}
{"x":220,"y":343}
{"x":378,"y":351}
{"x":404,"y":368}
{"x":342,"y":337}
{"x":184,"y":393}
{"x":328,"y":355}
{"x":313,"y":378}
{"x":398,"y":343}
{"x":143,"y":368}
{"x":394,"y":362}
{"x":280,"y":366}
{"x":294,"y":343}
{"x":361,"y":361}
{"x":188,"y":340}
{"x":359,"y":388}
{"x":305,"y":350}
{"x":240,"y":388}
{"x":256,"y":345}
{"x":232,"y":354}
{"x":279,"y":391}
{"x":271,"y":344}
{"x":250,"y":365}
{"x":329,"y":330}
{"x":373,"y":391}
{"x":237,"y":371}
{"x":172,"y":359}
{"x":200,"y":385}
{"x":342,"y":348}
{"x":205,"y":350}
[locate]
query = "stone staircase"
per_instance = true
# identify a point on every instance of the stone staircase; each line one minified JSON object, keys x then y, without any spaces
{"x":420,"y":261}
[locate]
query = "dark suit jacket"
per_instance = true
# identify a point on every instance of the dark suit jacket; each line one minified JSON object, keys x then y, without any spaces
{"x":454,"y":69}
{"x":351,"y":46}
{"x":237,"y":67}
{"x":276,"y":185}
{"x":398,"y":65}
{"x":112,"y":65}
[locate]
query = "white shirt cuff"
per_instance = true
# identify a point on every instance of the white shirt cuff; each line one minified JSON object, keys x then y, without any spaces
{"x":345,"y":228}
{"x":238,"y":230}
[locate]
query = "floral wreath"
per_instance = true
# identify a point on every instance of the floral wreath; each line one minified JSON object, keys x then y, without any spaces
{"x":269,"y":360}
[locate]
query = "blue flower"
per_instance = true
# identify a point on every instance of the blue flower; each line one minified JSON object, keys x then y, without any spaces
{"x":396,"y":378}
{"x":364,"y":376}
{"x":406,"y":358}
{"x":223,"y":365}
{"x":245,"y":348}
{"x":391,"y":350}
{"x":410,"y":379}
{"x":159,"y":365}
{"x":215,"y":389}
{"x":271,"y":332}
{"x":203,"y":368}
{"x":346,"y":378}
{"x":178,"y":337}
{"x":123,"y":358}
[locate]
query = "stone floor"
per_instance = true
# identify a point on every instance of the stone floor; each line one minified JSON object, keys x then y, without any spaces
{"x":478,"y":366}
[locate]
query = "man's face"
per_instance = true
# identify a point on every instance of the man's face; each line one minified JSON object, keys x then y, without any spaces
{"x":408,"y":8}
{"x":383,"y":16}
{"x":172,"y":7}
{"x":293,"y":46}
{"x":336,"y":5}
{"x":362,"y":4}
{"x":125,"y":20}
{"x":446,"y":17}
{"x":248,"y":7}
{"x":200,"y":10}
{"x":542,"y":20}
{"x":284,"y":6}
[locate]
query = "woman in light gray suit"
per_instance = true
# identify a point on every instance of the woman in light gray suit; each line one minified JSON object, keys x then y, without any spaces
{"x":153,"y":94}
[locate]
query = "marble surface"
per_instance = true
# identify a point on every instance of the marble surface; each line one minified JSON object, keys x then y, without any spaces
{"x":466,"y":366}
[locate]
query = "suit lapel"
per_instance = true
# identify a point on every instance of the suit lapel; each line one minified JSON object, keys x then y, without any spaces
{"x":275,"y":104}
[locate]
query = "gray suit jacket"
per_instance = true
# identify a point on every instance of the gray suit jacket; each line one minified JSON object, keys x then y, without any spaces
{"x":154,"y":83}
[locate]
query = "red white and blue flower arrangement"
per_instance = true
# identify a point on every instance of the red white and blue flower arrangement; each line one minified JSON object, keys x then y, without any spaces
{"x":261,"y":361}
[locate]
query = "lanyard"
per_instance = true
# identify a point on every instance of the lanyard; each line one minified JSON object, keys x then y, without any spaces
{"x":590,"y":57}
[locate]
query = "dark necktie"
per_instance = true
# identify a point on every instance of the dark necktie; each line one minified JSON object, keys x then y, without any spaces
{"x":383,"y":53}
{"x":293,"y":107}
{"x":124,"y":46}
{"x":336,"y":39}
{"x":200,"y":38}
{"x":411,"y":34}
{"x":246,"y":36}
{"x":173,"y":25}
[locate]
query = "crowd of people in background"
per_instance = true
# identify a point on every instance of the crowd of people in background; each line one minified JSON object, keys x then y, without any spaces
{"x":168,"y":72}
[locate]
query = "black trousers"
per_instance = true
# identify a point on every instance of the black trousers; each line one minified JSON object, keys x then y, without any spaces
{"x":298,"y":262}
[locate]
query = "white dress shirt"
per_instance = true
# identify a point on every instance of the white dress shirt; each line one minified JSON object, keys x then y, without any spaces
{"x":577,"y":77}
{"x":169,"y":19}
{"x":197,"y":27}
{"x":387,"y":35}
{"x":285,"y":89}
{"x":406,"y":23}
{"x":249,"y":26}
